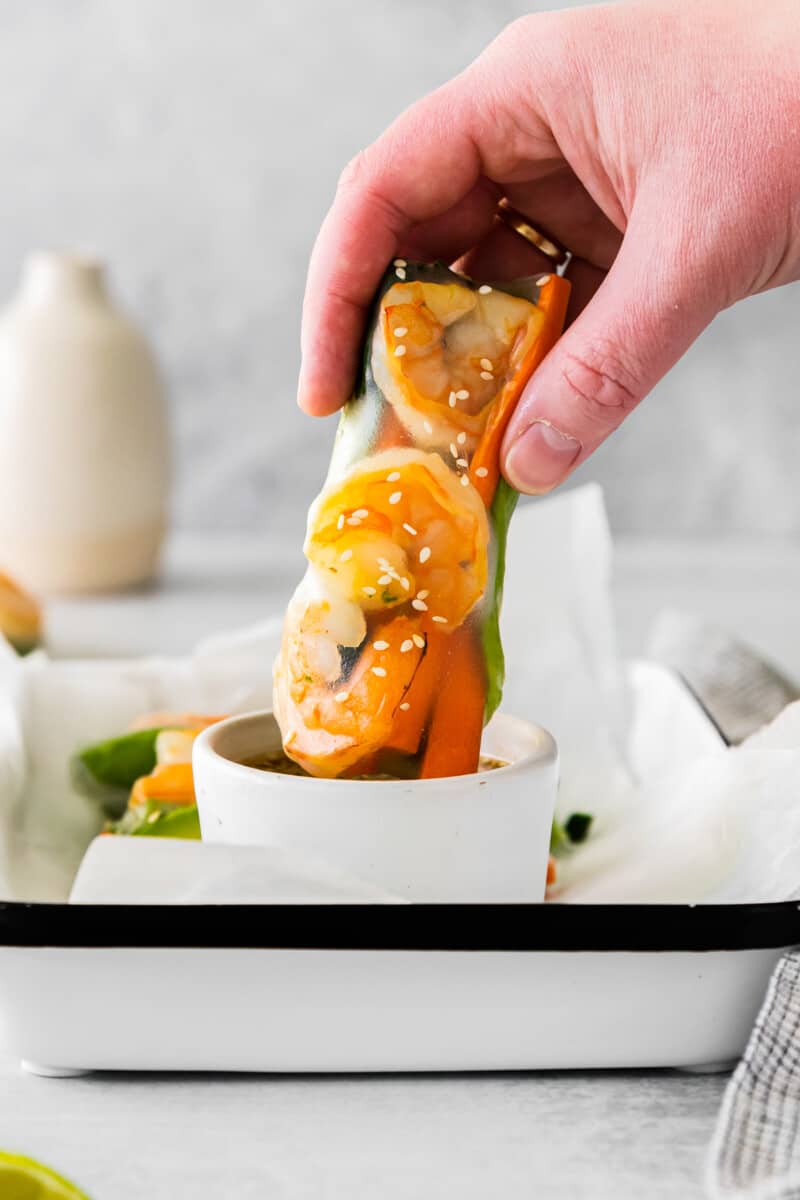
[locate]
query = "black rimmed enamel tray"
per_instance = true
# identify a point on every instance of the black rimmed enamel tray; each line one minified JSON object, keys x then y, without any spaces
{"x":383,"y":987}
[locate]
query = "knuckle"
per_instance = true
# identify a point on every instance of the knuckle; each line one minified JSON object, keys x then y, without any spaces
{"x":545,"y":46}
{"x":355,"y":173}
{"x":524,"y":42}
{"x":607,"y":388}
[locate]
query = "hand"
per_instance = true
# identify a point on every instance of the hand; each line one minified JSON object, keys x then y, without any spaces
{"x":660,"y":141}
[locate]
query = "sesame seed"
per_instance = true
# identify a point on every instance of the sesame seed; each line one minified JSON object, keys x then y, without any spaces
{"x":423,"y":594}
{"x":379,"y":671}
{"x":454,"y":450}
{"x":399,"y":351}
{"x":369,"y":591}
{"x":353,"y":521}
{"x":441,"y":620}
{"x":409,"y":529}
{"x":395,"y":497}
{"x":340,"y":522}
{"x":451,"y":399}
{"x":401,"y":273}
{"x":484,"y":289}
{"x":462,"y":462}
{"x":361,"y":513}
{"x":463,"y":394}
{"x":486,"y":363}
{"x":380,"y":645}
{"x":482,"y":472}
{"x":464,"y":481}
{"x":419,"y":605}
{"x":405,"y":584}
{"x":383,"y":563}
{"x":424,"y":554}
{"x":487,"y":375}
{"x":345,"y":556}
{"x":418,"y":640}
{"x":399,"y":262}
{"x":384,"y":579}
{"x":542,"y":280}
{"x":405,"y":706}
{"x":393,"y":477}
{"x":401,"y":331}
{"x":341,"y":696}
{"x":461,"y":439}
{"x":406,"y":646}
{"x":426,"y":425}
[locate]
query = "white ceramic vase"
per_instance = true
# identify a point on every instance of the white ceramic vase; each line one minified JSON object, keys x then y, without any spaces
{"x":84,"y":446}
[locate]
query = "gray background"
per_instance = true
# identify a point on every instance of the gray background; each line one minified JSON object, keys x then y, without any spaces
{"x":196,"y":144}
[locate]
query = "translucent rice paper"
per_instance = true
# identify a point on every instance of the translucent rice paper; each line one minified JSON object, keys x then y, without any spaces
{"x":391,"y":659}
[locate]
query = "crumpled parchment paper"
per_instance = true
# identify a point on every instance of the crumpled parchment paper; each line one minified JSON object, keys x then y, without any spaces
{"x":679,"y":817}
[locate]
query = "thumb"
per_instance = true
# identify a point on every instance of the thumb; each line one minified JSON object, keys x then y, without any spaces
{"x":645,"y":315}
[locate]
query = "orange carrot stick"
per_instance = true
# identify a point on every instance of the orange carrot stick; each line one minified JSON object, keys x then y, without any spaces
{"x":456,"y":724}
{"x":553,"y":299}
{"x":170,"y":782}
{"x":454,"y":730}
{"x":409,"y":724}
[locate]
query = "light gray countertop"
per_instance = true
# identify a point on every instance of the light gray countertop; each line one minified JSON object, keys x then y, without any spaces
{"x":626,"y":1136}
{"x":580,"y":1135}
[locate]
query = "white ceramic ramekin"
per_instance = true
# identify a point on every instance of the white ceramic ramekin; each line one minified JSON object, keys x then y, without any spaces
{"x":480,"y":838}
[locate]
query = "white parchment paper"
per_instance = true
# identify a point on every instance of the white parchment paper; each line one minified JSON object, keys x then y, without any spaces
{"x":678,"y":816}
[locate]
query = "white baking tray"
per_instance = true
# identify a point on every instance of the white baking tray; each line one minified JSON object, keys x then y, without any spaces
{"x":384,"y":988}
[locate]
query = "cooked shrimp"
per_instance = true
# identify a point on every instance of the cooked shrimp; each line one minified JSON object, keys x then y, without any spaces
{"x":399,"y":529}
{"x":336,"y":704}
{"x":442,"y":352}
{"x":398,"y":551}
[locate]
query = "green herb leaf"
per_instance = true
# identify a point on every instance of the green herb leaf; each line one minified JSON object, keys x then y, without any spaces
{"x":505,"y":501}
{"x":572,"y":833}
{"x":157,"y":818}
{"x":107,"y":771}
{"x":577,"y":827}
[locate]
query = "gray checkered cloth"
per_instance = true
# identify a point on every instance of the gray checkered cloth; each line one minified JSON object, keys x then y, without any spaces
{"x":755,"y":1153}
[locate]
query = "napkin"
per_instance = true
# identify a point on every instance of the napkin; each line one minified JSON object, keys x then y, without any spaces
{"x":755,"y":1152}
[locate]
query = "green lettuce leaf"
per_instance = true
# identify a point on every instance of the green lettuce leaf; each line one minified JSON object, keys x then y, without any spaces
{"x":503,"y":505}
{"x":159,"y":819}
{"x":106,"y":771}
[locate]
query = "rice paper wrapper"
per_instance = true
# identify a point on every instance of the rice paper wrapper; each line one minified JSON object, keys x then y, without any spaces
{"x":679,"y":817}
{"x":391,"y":648}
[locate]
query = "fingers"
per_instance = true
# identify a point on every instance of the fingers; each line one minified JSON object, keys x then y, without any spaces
{"x":503,"y":254}
{"x":559,"y":204}
{"x":450,"y":235}
{"x":566,"y":211}
{"x":644,"y":316}
{"x":424,"y":165}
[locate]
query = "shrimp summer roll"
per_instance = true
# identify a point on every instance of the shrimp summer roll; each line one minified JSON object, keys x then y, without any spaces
{"x":391,"y":660}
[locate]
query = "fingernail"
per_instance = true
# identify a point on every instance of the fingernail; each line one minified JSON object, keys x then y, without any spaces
{"x":540,"y":457}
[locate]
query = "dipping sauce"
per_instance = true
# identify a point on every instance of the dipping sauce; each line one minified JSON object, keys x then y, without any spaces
{"x":281,"y":764}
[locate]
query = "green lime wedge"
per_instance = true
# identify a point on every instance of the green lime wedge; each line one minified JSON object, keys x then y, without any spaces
{"x":23,"y":1179}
